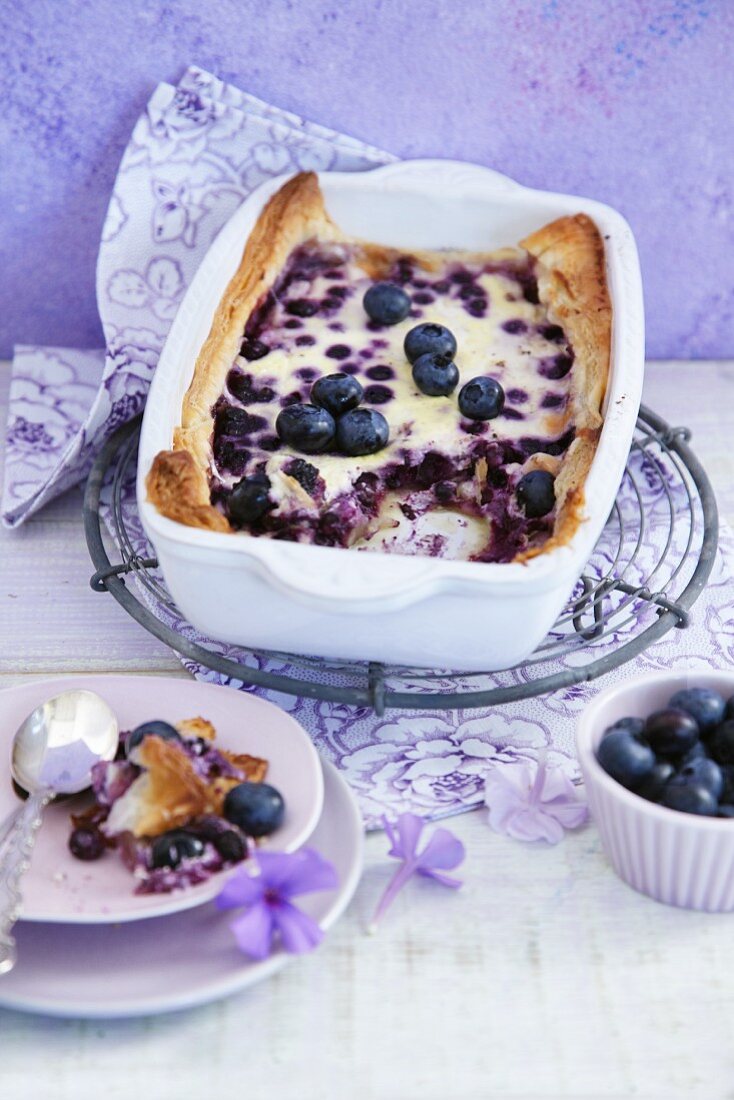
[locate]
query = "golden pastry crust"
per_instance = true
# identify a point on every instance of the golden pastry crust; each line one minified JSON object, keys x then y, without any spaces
{"x":571,"y":274}
{"x":197,"y":727}
{"x":179,"y":490}
{"x":170,"y":793}
{"x":179,"y":486}
{"x":572,"y":284}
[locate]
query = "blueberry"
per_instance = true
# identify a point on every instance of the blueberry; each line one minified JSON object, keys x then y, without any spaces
{"x":481,"y":399}
{"x":553,"y":400}
{"x":435,"y":375}
{"x":705,"y":705}
{"x":157,"y":729}
{"x":429,"y":337}
{"x":249,"y":499}
{"x":721,"y":742}
{"x":168,"y":849}
{"x":725,"y":810}
{"x":554,"y":333}
{"x":362,"y":432}
{"x":535,"y":493}
{"x":634,"y":725}
{"x":338,"y":351}
{"x":337,"y":393}
{"x":625,"y":757}
{"x":729,"y":709}
{"x":243,"y":387}
{"x":702,"y":771}
{"x":302,"y":307}
{"x":386,"y":303}
{"x":689,"y":799}
{"x":697,"y":751}
{"x":253,"y":349}
{"x":231,"y":420}
{"x":230,"y":846}
{"x":306,"y":428}
{"x":86,"y":843}
{"x":256,"y":808}
{"x":671,"y":732}
{"x":306,"y":474}
{"x":378,"y":395}
{"x":654,"y":783}
{"x":727,"y":770}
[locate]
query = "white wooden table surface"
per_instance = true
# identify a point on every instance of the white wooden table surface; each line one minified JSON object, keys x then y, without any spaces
{"x":545,"y":976}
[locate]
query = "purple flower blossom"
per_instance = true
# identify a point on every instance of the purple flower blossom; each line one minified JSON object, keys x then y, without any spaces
{"x":530,"y":801}
{"x":442,"y":853}
{"x":266,"y":898}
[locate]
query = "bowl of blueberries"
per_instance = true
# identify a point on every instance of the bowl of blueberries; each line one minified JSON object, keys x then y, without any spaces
{"x":657,"y":757}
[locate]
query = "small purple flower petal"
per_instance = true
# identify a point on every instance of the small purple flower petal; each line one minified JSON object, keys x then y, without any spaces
{"x":254,"y":930}
{"x":392,"y":836}
{"x":298,"y":931}
{"x":443,"y":851}
{"x":532,"y":802}
{"x":408,"y":828}
{"x":531,"y":824}
{"x":241,"y":889}
{"x":268,"y":909}
{"x":301,"y":872}
{"x":439,"y":876}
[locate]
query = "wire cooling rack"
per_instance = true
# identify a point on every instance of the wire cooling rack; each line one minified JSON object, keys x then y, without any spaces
{"x":647,"y":571}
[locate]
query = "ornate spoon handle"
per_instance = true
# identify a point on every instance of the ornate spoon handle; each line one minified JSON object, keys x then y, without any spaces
{"x":13,"y":864}
{"x":9,"y":824}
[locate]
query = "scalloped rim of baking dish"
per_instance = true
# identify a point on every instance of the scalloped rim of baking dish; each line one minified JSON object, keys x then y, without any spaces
{"x":365,"y":580}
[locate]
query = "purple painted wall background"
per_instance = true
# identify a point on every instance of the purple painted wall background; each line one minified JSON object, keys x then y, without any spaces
{"x":627,"y":101}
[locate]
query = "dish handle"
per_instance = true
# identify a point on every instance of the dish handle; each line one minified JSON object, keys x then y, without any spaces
{"x":353,"y":586}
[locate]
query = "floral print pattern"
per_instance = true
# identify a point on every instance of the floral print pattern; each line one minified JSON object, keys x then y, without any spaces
{"x":196,"y":152}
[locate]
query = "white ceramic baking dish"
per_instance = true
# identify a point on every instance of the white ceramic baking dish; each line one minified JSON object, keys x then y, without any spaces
{"x":348,"y":604}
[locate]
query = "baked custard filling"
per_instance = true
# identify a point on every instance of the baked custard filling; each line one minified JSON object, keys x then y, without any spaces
{"x":443,"y":403}
{"x":313,"y":323}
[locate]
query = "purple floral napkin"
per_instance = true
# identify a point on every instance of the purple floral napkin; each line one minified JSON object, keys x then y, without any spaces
{"x":195,"y":153}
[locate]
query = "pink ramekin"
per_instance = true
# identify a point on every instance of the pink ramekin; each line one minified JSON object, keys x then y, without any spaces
{"x":680,"y":859}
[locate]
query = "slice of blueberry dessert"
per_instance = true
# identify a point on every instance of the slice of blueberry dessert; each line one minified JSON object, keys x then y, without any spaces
{"x":444,"y":403}
{"x":177,"y":808}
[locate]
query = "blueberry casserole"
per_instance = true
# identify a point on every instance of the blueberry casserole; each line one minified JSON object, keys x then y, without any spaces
{"x":444,"y":403}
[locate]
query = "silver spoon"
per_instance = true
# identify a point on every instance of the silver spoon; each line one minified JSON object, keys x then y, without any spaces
{"x":53,"y":753}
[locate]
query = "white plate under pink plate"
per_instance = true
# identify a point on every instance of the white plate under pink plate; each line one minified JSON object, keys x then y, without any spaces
{"x":174,"y":962}
{"x":58,"y":887}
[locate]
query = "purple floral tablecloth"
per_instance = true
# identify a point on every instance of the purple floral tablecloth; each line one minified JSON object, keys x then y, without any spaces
{"x":196,"y":152}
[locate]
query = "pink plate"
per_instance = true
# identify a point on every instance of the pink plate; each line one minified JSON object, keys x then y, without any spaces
{"x":175,"y":962}
{"x":58,"y":887}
